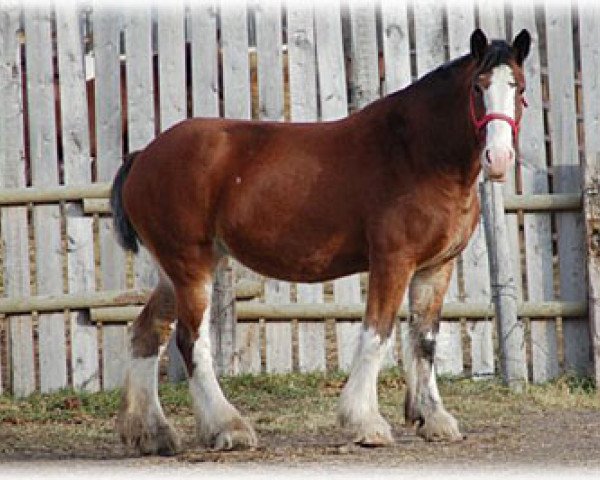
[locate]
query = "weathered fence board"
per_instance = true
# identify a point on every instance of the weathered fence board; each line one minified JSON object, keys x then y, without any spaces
{"x":365,"y":59}
{"x":311,"y":334}
{"x":567,"y":177}
{"x":107,"y":27}
{"x":44,"y":172}
{"x":204,"y":57}
{"x":16,"y":261}
{"x":302,"y":61}
{"x":396,"y":45}
{"x":171,"y":61}
{"x":330,"y":61}
{"x":278,"y":335}
{"x":476,"y":280}
{"x":269,"y":60}
{"x":14,"y":220}
{"x":236,"y":66}
{"x":77,"y":171}
{"x":429,"y":35}
{"x":537,"y":227}
{"x":449,"y":349}
{"x":347,"y":291}
{"x":248,"y":345}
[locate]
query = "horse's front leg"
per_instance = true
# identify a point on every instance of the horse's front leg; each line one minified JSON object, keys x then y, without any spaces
{"x":359,"y":409}
{"x":423,"y":405}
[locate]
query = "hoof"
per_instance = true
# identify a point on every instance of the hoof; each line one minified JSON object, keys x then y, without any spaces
{"x":439,"y":426}
{"x":237,"y":434}
{"x":370,"y":432}
{"x":374,"y":439}
{"x":155,"y":437}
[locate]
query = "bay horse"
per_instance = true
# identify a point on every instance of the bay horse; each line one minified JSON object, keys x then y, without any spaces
{"x":390,"y":190}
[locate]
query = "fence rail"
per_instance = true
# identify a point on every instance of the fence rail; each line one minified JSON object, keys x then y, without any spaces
{"x":320,"y":312}
{"x":68,"y":290}
{"x":94,"y":198}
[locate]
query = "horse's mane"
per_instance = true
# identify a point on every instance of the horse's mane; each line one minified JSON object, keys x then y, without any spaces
{"x":498,"y":52}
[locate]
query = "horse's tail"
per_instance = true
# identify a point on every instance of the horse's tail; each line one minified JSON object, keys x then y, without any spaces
{"x":126,"y":234}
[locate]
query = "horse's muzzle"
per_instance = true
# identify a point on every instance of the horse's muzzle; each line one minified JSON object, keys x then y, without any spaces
{"x":496,"y":161}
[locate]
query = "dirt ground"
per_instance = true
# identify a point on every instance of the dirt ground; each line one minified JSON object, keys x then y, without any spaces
{"x":296,"y":425}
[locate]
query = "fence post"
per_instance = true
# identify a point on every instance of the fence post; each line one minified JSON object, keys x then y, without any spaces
{"x":504,"y":288}
{"x":591,"y":211}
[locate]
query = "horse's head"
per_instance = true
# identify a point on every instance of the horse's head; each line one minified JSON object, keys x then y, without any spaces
{"x":496,"y":99}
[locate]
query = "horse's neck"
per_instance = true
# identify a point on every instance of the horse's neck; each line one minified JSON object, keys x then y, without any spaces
{"x":435,"y":110}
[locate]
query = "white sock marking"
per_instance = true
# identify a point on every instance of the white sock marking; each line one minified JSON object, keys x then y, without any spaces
{"x":359,"y":398}
{"x":142,"y":388}
{"x":210,"y":405}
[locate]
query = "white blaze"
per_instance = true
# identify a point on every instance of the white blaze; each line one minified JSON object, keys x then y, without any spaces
{"x":499,"y":97}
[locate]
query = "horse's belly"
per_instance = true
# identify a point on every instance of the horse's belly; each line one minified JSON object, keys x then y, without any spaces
{"x":292,"y":259}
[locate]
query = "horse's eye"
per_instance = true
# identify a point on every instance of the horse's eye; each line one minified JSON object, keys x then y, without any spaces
{"x":477,"y":88}
{"x":521,"y":90}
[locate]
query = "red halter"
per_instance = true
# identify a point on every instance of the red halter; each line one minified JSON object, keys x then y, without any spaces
{"x":488,"y":117}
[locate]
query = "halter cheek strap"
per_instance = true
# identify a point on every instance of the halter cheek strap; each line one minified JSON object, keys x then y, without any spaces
{"x":480,"y":123}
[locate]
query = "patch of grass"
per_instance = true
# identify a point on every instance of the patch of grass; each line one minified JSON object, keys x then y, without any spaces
{"x":281,"y":402}
{"x":566,"y":392}
{"x":63,"y":406}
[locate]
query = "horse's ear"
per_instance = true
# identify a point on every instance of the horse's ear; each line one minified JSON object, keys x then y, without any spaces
{"x":521,"y":45}
{"x":479,"y":43}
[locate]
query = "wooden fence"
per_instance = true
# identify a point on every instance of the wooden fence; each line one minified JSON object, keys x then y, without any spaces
{"x":68,"y":290}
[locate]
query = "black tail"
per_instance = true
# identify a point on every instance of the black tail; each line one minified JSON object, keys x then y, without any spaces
{"x":126,"y":234}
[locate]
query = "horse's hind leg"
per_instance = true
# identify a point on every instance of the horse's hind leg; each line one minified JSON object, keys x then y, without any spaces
{"x":359,"y":408}
{"x":219,"y":424}
{"x":141,"y":421}
{"x":423,"y":405}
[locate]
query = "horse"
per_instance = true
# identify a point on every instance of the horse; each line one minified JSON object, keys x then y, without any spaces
{"x":391,"y":190}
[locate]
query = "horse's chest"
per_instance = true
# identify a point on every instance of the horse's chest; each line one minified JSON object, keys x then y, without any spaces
{"x":454,"y":234}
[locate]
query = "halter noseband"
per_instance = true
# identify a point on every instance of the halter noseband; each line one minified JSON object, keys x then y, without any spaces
{"x":480,"y":123}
